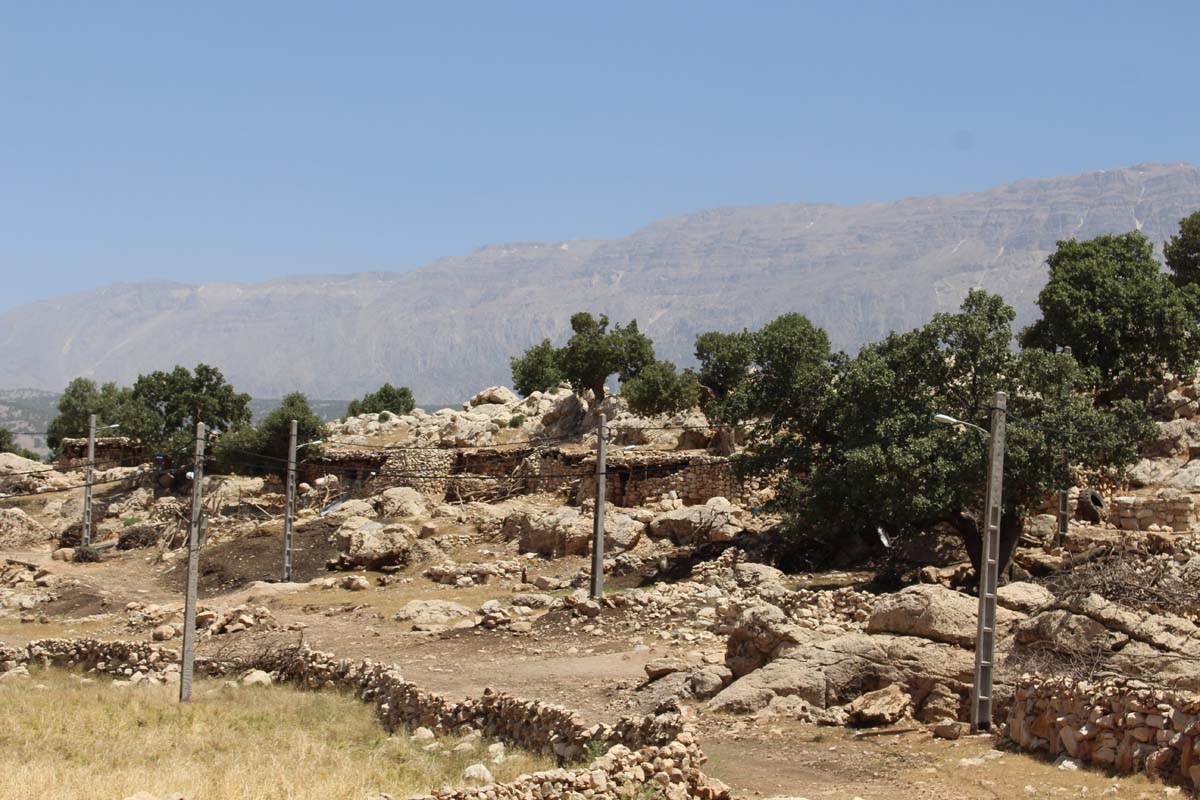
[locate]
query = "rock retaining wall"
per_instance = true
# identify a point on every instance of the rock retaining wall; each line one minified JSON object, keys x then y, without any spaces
{"x":1116,"y":724}
{"x":1138,"y":513}
{"x":658,"y":750}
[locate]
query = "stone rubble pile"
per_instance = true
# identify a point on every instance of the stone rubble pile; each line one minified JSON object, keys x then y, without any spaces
{"x":166,"y":621}
{"x":1118,"y":724}
{"x":23,"y":587}
{"x":455,"y":574}
{"x":19,"y":531}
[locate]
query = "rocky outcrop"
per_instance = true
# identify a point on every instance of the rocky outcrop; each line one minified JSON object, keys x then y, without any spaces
{"x":715,"y":521}
{"x":568,"y":531}
{"x":828,"y":672}
{"x":373,"y":545}
{"x":934,"y":612}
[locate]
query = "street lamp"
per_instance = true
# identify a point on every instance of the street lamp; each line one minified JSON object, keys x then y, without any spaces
{"x":989,"y":563}
{"x":946,"y":419}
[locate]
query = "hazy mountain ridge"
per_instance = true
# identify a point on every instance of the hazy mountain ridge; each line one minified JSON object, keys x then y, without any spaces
{"x":450,"y":327}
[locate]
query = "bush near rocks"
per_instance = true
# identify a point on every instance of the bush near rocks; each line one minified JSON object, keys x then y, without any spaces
{"x":138,"y":536}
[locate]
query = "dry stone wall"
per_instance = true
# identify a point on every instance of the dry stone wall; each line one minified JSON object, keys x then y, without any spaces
{"x":1119,"y":724}
{"x":658,"y":750}
{"x":636,"y":479}
{"x":1139,"y":513}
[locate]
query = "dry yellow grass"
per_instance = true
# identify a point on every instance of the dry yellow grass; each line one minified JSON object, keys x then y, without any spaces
{"x":64,"y":738}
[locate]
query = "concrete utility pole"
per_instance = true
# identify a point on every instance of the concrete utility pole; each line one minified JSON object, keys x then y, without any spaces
{"x":598,"y":514}
{"x":989,"y":573}
{"x":193,"y":568}
{"x":289,"y":513}
{"x":1061,"y":536}
{"x":86,"y":539}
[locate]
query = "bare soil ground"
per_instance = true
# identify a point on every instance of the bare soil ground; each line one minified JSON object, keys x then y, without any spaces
{"x":596,"y":671}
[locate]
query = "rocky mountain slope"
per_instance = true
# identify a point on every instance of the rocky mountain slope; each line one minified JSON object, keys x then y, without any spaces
{"x":860,"y":272}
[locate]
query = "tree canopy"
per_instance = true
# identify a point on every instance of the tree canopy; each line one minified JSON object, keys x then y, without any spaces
{"x":1108,"y":300}
{"x":251,"y":449}
{"x":160,"y":409}
{"x":660,"y":389}
{"x":860,"y":450}
{"x":398,"y":400}
{"x":537,"y":370}
{"x":1182,"y":252}
{"x":587,"y":360}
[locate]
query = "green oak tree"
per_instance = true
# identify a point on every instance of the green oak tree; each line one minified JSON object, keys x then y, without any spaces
{"x":164,"y":407}
{"x":1182,"y":252}
{"x":396,"y":399}
{"x":537,"y":370}
{"x":250,"y":449}
{"x":858,"y":450}
{"x":660,"y":389}
{"x":1108,"y":300}
{"x":588,"y":359}
{"x":82,"y":398}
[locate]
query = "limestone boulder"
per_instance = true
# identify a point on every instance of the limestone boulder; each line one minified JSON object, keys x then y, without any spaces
{"x":933,"y":612}
{"x":827,"y":672}
{"x":400,"y":501}
{"x":467,"y":430}
{"x":351,"y":508}
{"x":1024,"y":597}
{"x":494,"y":395}
{"x":757,"y":635}
{"x":433,"y":612}
{"x":884,"y":706}
{"x":568,"y":531}
{"x":716,"y":521}
{"x":372,"y":545}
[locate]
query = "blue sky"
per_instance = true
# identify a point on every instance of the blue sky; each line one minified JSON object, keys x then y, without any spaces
{"x":245,"y":141}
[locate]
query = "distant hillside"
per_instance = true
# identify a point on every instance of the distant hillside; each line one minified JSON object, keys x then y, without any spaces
{"x":450,"y":328}
{"x":27,"y":413}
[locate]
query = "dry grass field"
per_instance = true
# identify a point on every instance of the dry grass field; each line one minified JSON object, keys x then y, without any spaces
{"x":66,"y":738}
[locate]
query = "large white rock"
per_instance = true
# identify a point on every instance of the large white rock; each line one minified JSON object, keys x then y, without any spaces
{"x":432,"y":612}
{"x":716,"y":521}
{"x":372,"y":545}
{"x":494,"y":395}
{"x":568,"y":531}
{"x":934,"y":612}
{"x":400,"y":501}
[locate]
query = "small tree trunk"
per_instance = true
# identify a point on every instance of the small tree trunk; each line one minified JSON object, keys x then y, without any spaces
{"x":1011,"y":525}
{"x":724,"y":442}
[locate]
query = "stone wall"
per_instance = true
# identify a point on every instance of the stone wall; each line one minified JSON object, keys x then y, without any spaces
{"x":635,"y":479}
{"x":657,"y":750}
{"x":1139,"y":513}
{"x":1119,"y":724}
{"x":423,"y":469}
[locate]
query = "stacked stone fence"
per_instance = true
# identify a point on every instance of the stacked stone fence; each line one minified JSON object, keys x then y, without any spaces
{"x":656,"y":750}
{"x":1115,"y":723}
